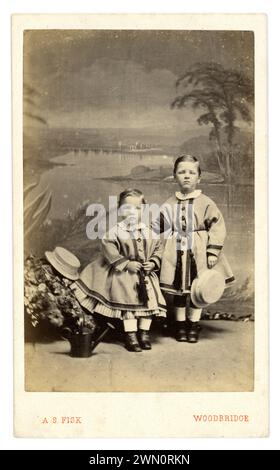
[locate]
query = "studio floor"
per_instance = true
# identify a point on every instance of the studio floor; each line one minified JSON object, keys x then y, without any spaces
{"x":221,"y":361}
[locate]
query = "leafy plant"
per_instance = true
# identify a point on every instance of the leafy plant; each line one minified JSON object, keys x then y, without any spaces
{"x":48,"y":299}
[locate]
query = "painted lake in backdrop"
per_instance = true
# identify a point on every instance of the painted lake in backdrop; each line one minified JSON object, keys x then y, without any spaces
{"x":93,"y":176}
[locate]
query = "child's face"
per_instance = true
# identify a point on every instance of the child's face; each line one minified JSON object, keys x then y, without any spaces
{"x":187,"y":176}
{"x":131,"y":209}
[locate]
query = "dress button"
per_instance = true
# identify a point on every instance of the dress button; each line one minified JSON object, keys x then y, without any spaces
{"x":138,"y":240}
{"x":183,"y":217}
{"x":183,"y":208}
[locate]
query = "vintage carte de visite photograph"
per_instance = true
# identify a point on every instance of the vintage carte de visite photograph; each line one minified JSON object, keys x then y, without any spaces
{"x":140,"y":200}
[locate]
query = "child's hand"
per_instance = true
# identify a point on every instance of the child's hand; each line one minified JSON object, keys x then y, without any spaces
{"x":134,"y":266}
{"x":148,"y":266}
{"x":211,"y":261}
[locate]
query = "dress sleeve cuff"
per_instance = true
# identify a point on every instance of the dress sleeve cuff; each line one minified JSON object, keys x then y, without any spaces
{"x":214,"y":250}
{"x":156,"y":260}
{"x":120,"y":264}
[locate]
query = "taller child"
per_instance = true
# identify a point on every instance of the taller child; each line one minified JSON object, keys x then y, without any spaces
{"x":196,"y":233}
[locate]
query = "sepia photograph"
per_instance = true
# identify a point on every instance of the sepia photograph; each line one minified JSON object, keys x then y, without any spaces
{"x":138,"y":203}
{"x":161,"y":117}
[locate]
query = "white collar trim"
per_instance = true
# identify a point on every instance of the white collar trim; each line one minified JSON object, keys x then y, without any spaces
{"x":132,"y":228}
{"x":183,"y":197}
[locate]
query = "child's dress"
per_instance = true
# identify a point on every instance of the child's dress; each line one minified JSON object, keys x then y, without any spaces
{"x":194,"y":227}
{"x":106,"y":287}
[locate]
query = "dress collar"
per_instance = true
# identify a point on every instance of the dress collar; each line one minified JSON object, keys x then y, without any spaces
{"x":183,"y":197}
{"x":132,"y":228}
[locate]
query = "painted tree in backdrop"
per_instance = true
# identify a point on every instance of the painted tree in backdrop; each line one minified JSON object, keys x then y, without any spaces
{"x":224,"y":95}
{"x":30,"y":104}
{"x":36,"y":207}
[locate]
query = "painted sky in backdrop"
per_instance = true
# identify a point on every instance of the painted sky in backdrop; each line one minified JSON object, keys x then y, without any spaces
{"x":122,"y":78}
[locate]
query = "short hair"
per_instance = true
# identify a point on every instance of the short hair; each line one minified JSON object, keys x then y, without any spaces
{"x":130,"y":192}
{"x":186,"y":158}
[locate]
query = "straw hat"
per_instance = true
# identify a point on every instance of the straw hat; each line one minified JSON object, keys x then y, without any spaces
{"x":64,"y":262}
{"x":207,"y":288}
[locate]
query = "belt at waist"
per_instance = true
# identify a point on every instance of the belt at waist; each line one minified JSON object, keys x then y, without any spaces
{"x":189,"y":231}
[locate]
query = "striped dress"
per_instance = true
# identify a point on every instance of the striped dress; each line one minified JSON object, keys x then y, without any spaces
{"x":106,"y":287}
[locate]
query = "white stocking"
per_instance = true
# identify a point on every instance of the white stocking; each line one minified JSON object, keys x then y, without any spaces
{"x":194,"y":314}
{"x":180,"y":313}
{"x":144,"y":323}
{"x":130,"y":325}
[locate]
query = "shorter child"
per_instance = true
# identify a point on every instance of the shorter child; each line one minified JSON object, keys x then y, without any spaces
{"x":122,"y":283}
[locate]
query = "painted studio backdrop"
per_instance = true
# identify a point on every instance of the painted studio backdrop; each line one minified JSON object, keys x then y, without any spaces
{"x":106,"y":110}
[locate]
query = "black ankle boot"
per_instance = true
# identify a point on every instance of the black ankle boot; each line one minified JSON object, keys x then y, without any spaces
{"x":193,"y":330}
{"x":144,"y":339}
{"x":180,"y":331}
{"x":131,"y":342}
